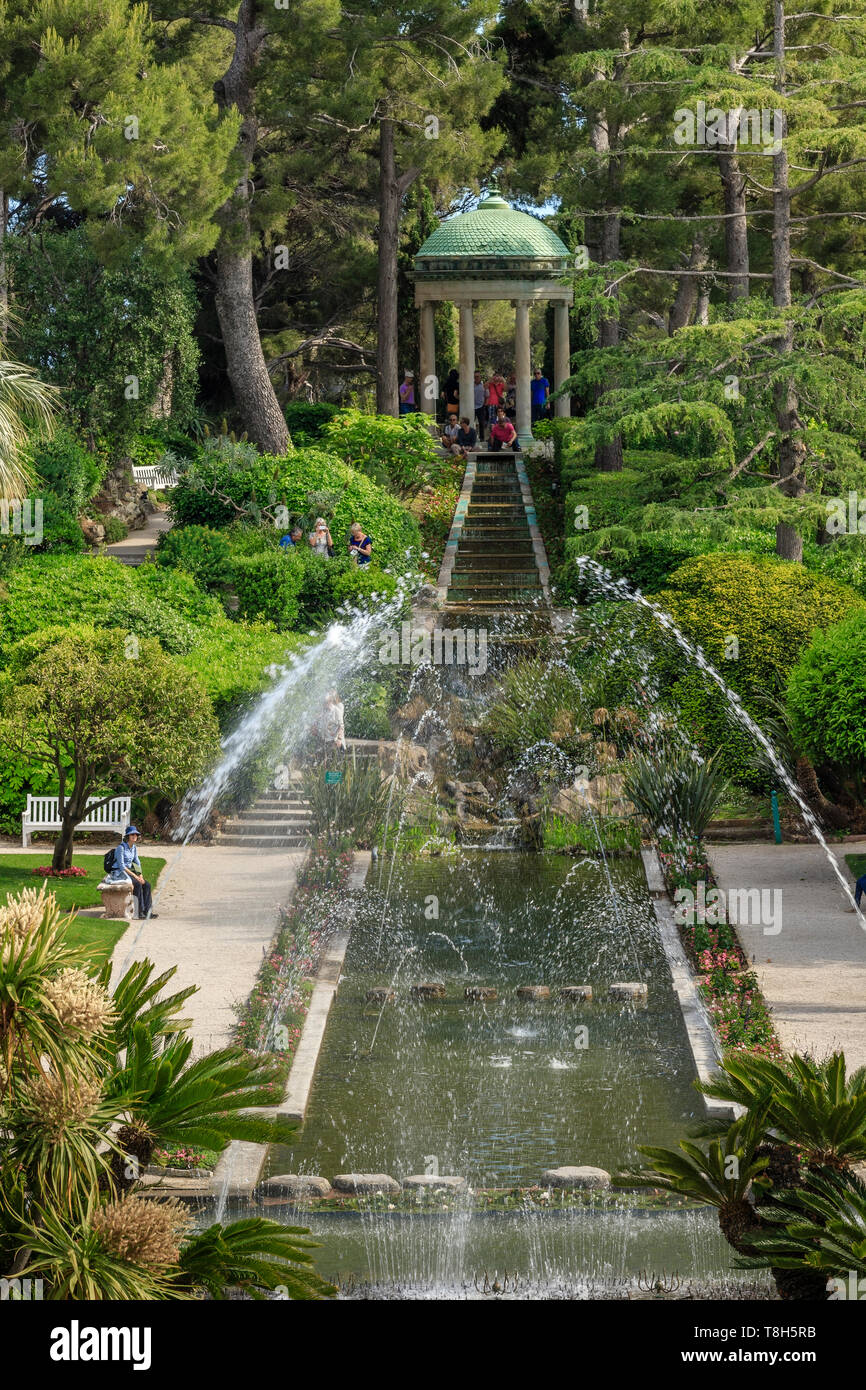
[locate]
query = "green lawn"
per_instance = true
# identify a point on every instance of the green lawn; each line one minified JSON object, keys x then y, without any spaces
{"x":857,"y":864}
{"x":100,"y":935}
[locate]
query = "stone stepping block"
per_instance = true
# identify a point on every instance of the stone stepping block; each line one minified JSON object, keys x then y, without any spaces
{"x":295,"y":1185}
{"x":533,"y":992}
{"x":364,"y":1184}
{"x":480,"y":992}
{"x":576,"y":993}
{"x":426,"y":1180}
{"x":584,"y":1177}
{"x":381,"y":996}
{"x":631,"y":989}
{"x":431,"y":990}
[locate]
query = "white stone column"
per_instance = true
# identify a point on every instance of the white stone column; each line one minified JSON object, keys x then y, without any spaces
{"x":467,"y":361}
{"x":561,"y":356}
{"x":428,"y":386}
{"x":522,"y":370}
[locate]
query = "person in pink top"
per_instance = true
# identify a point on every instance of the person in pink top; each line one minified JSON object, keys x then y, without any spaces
{"x":503,"y":435}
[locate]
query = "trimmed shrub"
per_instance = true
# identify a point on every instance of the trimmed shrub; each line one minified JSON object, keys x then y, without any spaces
{"x":115,"y":529}
{"x":54,"y":590}
{"x":752,"y":618}
{"x":268,"y":585}
{"x":201,"y":551}
{"x":179,"y":591}
{"x":826,"y":698}
{"x":61,"y":530}
{"x":354,"y":583}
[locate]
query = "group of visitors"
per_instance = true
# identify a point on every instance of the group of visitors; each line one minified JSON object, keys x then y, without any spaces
{"x":494,"y":408}
{"x":358,"y":544}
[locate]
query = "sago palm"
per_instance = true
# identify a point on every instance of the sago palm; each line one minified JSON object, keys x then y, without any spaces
{"x":824,"y":1229}
{"x":165,"y":1099}
{"x":720,"y":1176}
{"x":256,"y":1255}
{"x":816,"y":1106}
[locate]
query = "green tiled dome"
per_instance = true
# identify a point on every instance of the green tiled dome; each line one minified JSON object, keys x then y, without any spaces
{"x":493,"y":239}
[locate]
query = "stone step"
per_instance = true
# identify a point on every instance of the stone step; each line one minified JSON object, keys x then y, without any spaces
{"x":497,"y":579}
{"x":265,"y":841}
{"x":236,"y":826}
{"x":261,"y":814}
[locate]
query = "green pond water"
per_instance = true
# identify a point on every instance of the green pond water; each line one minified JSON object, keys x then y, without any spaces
{"x":497,"y":1092}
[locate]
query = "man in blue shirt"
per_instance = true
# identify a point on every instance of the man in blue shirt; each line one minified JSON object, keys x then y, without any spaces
{"x":540,"y":391}
{"x":293,"y":538}
{"x":128,"y":865}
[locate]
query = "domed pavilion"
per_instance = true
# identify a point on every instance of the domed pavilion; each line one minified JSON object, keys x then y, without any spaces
{"x":493,"y":252}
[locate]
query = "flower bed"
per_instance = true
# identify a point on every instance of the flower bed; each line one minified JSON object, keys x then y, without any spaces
{"x":272,"y":1018}
{"x":46,"y":871}
{"x":737,"y":1009}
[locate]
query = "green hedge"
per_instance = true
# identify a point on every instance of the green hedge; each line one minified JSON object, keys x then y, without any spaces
{"x":826,"y":698}
{"x":772,"y":608}
{"x":201,"y":551}
{"x":268,"y":585}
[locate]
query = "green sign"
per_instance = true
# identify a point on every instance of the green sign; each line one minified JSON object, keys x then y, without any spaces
{"x":331,"y":778}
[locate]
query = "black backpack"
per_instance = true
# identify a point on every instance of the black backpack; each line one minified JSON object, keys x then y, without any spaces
{"x":108,"y":859}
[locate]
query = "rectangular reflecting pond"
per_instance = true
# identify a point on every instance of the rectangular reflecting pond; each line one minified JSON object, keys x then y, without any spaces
{"x":497,"y":1091}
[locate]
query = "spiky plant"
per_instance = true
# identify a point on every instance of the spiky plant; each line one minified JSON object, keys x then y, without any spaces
{"x":164,"y":1098}
{"x":674,"y":792}
{"x":89,"y":1084}
{"x":820,"y":1232}
{"x":720,"y":1176}
{"x":816,"y":1106}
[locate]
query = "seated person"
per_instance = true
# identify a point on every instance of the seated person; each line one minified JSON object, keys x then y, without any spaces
{"x":449,"y":433}
{"x":360,"y":544}
{"x":128,"y":865}
{"x":503,"y":435}
{"x":465,"y":438}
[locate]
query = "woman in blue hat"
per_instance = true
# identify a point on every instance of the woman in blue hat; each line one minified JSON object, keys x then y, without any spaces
{"x":128,"y":865}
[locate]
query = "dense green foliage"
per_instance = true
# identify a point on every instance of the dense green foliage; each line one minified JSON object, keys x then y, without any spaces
{"x":117,"y":340}
{"x":826,"y":698}
{"x":200,"y":551}
{"x":227,"y":482}
{"x":751,"y":618}
{"x":399,"y":454}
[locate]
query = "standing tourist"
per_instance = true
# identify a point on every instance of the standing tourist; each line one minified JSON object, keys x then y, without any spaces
{"x":480,"y":394}
{"x":540,"y":388}
{"x":360,"y":544}
{"x":407,"y":394}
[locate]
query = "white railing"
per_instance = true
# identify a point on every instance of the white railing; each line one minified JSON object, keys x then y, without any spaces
{"x":152,"y":475}
{"x":43,"y":813}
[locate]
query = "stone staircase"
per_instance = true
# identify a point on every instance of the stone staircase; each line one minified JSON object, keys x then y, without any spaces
{"x":275,"y":820}
{"x":495,"y":565}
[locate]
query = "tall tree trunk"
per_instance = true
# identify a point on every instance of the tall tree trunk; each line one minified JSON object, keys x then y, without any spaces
{"x":74,"y":810}
{"x":235,"y":301}
{"x":736,"y":226}
{"x":392,"y":188}
{"x":608,"y":457}
{"x":792,"y":449}
{"x":686,"y":298}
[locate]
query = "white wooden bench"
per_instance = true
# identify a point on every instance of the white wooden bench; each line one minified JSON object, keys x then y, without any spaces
{"x":152,"y":475}
{"x":43,"y":813}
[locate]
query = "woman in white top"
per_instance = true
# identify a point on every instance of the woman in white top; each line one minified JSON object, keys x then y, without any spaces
{"x":320,"y":538}
{"x":333,"y":731}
